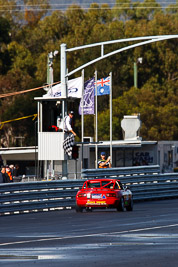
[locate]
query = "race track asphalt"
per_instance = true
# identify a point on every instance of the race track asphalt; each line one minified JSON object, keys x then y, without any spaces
{"x":147,"y":236}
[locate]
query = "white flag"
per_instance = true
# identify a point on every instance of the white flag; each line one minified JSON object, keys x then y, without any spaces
{"x":74,"y":89}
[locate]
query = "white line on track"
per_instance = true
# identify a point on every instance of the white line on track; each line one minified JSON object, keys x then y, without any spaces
{"x":89,"y":235}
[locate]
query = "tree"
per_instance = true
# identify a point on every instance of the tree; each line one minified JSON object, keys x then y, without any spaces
{"x":147,"y":9}
{"x":19,"y":107}
{"x":172,"y":9}
{"x":25,"y":45}
{"x":34,"y":11}
{"x":5,"y":39}
{"x":8,"y":8}
{"x":21,"y":58}
{"x":123,"y":10}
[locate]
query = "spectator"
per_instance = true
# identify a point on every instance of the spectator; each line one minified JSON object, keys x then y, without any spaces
{"x":8,"y":172}
{"x":103,"y":162}
{"x":12,"y":169}
{"x":2,"y":175}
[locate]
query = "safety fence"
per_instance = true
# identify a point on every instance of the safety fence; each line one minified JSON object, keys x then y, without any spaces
{"x":120,"y":172}
{"x":16,"y":198}
{"x":93,"y":173}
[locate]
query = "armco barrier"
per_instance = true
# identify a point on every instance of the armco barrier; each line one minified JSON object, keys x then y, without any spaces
{"x":120,"y":172}
{"x":37,"y":196}
{"x":18,"y":198}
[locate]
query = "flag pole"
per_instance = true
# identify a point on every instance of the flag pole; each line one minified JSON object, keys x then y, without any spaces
{"x":82,"y":105}
{"x":96,"y":120}
{"x":111,"y":115}
{"x":82,"y":128}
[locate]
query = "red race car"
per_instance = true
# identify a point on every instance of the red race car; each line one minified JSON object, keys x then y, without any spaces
{"x":104,"y":193}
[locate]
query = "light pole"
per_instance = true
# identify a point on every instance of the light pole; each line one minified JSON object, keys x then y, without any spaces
{"x":64,"y":96}
{"x":139,"y":60}
{"x":50,"y":80}
{"x":36,"y":170}
{"x":50,"y":57}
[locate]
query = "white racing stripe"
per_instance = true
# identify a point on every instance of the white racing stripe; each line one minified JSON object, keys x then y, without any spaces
{"x":89,"y":235}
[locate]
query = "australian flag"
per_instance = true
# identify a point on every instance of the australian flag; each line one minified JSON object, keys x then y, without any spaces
{"x":103,"y":86}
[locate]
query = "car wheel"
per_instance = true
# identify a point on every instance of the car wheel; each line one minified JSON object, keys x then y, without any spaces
{"x":78,"y":209}
{"x":130,"y":206}
{"x":121,"y":205}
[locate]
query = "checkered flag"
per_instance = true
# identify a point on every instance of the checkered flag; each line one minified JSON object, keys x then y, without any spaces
{"x":68,"y":145}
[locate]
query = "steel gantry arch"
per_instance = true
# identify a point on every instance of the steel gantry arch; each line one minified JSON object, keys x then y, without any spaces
{"x":65,"y":74}
{"x":146,"y":40}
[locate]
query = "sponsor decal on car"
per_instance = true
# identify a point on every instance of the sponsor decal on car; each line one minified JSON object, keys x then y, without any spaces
{"x":90,"y":202}
{"x":102,"y":202}
{"x":96,"y":202}
{"x":96,"y":196}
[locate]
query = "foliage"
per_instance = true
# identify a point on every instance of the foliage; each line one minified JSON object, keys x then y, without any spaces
{"x":4,"y":40}
{"x":27,"y":37}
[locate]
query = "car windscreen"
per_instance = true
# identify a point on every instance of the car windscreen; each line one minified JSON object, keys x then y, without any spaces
{"x":94,"y":184}
{"x":107,"y":184}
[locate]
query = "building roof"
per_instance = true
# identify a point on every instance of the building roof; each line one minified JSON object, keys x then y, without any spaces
{"x":115,"y":143}
{"x":18,"y":150}
{"x":119,"y":143}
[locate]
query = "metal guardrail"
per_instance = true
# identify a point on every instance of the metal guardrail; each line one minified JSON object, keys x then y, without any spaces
{"x":90,"y":173}
{"x":16,"y":198}
{"x":120,"y":172}
{"x":33,"y":178}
